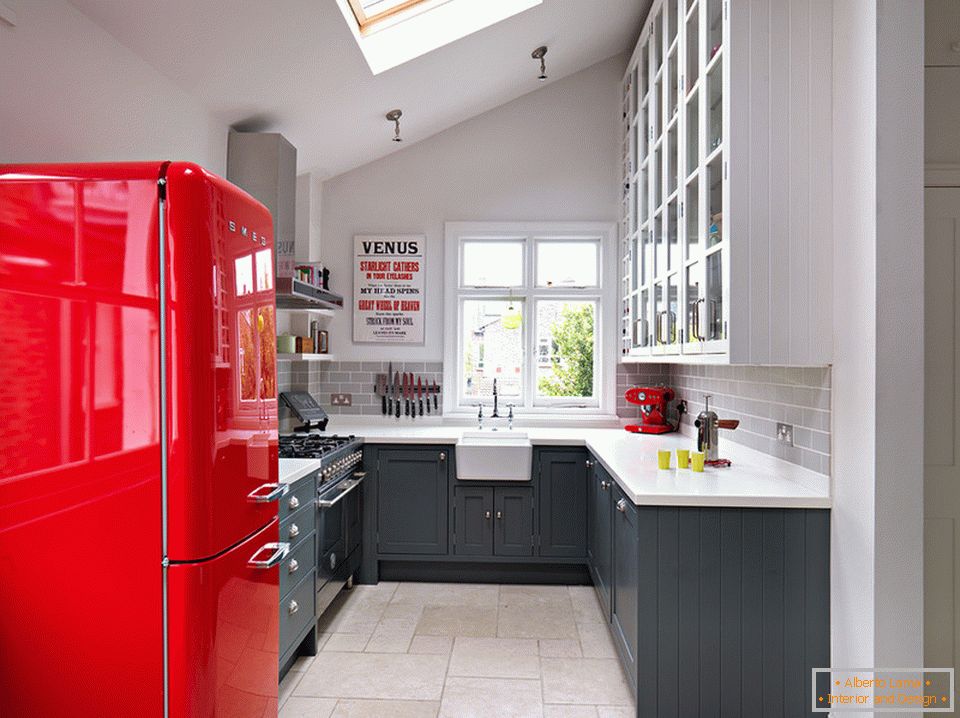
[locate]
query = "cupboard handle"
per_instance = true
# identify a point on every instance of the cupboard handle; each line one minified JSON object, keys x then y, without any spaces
{"x":589,"y":464}
{"x":294,"y":530}
{"x":656,"y":329}
{"x":622,"y":506}
{"x":293,"y":607}
{"x":294,"y":503}
{"x":696,"y":320}
{"x":604,"y":485}
{"x":499,"y":515}
{"x":486,"y":515}
{"x":443,"y":456}
{"x":293,"y":566}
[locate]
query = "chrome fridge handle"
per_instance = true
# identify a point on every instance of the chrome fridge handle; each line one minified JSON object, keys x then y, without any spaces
{"x":274,"y":492}
{"x":280,"y":551}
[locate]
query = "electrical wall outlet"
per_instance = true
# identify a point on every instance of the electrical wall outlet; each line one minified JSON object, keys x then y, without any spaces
{"x":341,"y":400}
{"x":785,"y":434}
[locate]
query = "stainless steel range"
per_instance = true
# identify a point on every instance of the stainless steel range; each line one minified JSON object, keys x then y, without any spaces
{"x":339,"y":501}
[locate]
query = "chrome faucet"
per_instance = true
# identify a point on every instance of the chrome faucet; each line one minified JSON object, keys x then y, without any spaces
{"x":495,"y":414}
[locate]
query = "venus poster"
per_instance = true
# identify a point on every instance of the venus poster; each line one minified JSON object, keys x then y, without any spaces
{"x":388,"y":289}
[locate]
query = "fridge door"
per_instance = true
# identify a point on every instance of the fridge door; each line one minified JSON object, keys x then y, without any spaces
{"x":224,"y":632}
{"x":80,"y":486}
{"x":221,"y":364}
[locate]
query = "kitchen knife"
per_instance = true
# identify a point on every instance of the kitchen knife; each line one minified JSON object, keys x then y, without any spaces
{"x":426,"y":390}
{"x":396,"y":394}
{"x":435,"y":391}
{"x":389,"y":411}
{"x":382,"y":391}
{"x":406,"y":395}
{"x":420,"y":395}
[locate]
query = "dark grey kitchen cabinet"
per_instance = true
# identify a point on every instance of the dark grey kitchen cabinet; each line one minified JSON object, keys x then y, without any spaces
{"x":298,"y":572}
{"x":599,"y":532}
{"x":624,"y":616}
{"x":563,"y":502}
{"x":513,"y":533}
{"x":412,"y":501}
{"x":473,"y":521}
{"x":493,"y":521}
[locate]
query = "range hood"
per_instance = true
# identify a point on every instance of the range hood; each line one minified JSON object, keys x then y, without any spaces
{"x":265,"y":165}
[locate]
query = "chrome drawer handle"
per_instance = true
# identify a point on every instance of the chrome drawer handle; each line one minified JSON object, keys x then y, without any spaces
{"x":274,"y":492}
{"x":589,"y":464}
{"x":294,"y":566}
{"x":280,"y":551}
{"x":293,"y":607}
{"x":294,"y":503}
{"x":622,"y":506}
{"x":294,"y":530}
{"x":486,"y":515}
{"x":604,"y":485}
{"x":443,"y":456}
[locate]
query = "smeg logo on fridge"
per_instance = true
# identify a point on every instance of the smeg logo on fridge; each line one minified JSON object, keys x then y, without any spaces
{"x":259,"y":238}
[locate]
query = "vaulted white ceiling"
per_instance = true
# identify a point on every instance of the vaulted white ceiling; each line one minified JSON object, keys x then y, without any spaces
{"x":292,"y":66}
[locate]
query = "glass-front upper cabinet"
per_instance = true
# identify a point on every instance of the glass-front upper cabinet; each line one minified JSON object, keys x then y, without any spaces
{"x":675,"y":184}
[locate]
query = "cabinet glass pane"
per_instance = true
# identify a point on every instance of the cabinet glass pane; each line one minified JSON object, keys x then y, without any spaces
{"x":673,"y":308}
{"x":657,"y":108}
{"x":672,"y":159}
{"x":642,"y":324}
{"x":714,"y":321}
{"x":660,"y":315}
{"x":633,"y":93}
{"x":634,"y":263}
{"x":693,"y":133}
{"x":632,"y":166}
{"x":671,"y":85}
{"x":633,"y":204}
{"x":714,"y":218}
{"x":659,"y":245}
{"x":643,"y":201}
{"x":643,"y":74}
{"x":672,"y":10}
{"x":673,"y":241}
{"x":655,"y":179}
{"x":715,"y":106}
{"x":714,"y":27}
{"x":694,"y":331}
{"x":647,"y":267}
{"x":656,"y":42}
{"x":641,"y":135}
{"x":693,"y":51}
{"x":691,"y":211}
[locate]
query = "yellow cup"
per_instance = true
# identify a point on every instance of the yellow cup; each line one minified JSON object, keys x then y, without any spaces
{"x":663,"y":459}
{"x":683,"y":458}
{"x":696,"y":461}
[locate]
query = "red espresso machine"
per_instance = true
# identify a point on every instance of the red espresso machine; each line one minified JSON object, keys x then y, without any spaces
{"x":653,"y":401}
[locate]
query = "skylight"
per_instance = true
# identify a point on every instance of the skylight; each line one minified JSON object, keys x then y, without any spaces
{"x":391,"y":32}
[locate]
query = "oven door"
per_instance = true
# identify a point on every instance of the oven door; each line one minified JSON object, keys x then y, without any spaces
{"x":335,"y":506}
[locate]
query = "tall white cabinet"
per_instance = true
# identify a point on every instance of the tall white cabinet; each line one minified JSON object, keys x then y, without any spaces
{"x":727,"y":198}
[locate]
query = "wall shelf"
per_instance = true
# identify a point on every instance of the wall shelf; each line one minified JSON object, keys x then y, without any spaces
{"x":305,"y":357}
{"x":294,"y":294}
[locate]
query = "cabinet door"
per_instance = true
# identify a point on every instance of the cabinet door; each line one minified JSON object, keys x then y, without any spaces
{"x":473,"y":521}
{"x":514,"y":522}
{"x":562,"y":503}
{"x":599,"y":548}
{"x":412,"y":501}
{"x":626,"y":576}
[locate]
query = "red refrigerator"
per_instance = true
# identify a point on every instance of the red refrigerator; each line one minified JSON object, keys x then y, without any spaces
{"x":138,"y":445}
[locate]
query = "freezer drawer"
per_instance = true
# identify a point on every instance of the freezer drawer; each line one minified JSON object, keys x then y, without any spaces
{"x":224,"y":633}
{"x":298,"y":563}
{"x":297,"y":612}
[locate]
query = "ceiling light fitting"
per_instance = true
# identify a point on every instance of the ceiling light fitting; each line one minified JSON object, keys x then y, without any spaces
{"x":394,"y":117}
{"x":538,"y":54}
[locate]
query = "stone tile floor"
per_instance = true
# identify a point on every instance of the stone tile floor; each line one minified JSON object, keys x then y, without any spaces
{"x":423,"y":650}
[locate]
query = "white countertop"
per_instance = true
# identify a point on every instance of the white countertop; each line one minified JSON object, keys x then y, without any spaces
{"x":754,"y":480}
{"x":293,"y":469}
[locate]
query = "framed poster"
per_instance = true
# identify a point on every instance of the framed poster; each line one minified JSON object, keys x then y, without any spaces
{"x":388,"y":289}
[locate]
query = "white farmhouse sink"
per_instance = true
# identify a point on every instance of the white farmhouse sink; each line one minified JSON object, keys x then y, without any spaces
{"x":494,"y":456}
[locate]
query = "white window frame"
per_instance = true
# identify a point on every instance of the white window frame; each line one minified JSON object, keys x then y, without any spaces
{"x":605,"y":327}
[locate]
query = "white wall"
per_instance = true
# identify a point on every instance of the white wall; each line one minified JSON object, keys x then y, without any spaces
{"x":877,"y":587}
{"x":70,"y":92}
{"x":550,"y":155}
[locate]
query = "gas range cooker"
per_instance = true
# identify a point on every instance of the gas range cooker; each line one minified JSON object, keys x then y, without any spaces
{"x":338,"y":455}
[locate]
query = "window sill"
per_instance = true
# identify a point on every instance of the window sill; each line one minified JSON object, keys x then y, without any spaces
{"x":593,"y":419}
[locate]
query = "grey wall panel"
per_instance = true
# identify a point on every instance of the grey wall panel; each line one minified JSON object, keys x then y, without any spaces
{"x":733,"y":610}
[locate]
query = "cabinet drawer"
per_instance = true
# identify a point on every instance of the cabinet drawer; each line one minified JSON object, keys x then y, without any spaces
{"x":297,"y":611}
{"x":299,"y":562}
{"x":297,"y":525}
{"x":302,"y":493}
